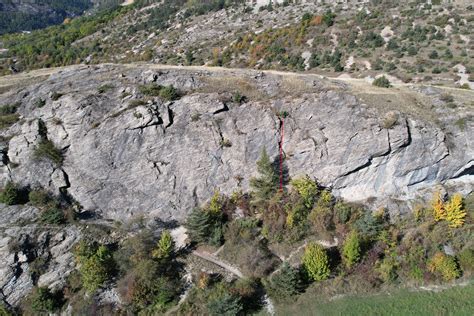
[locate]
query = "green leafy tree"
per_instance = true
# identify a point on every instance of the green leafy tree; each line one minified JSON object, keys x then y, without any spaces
{"x":96,"y":265}
{"x":267,"y":184}
{"x":307,"y":189}
{"x":285,"y":284}
{"x":445,"y":266}
{"x":316,"y":262}
{"x":351,"y":249}
{"x":165,"y":247}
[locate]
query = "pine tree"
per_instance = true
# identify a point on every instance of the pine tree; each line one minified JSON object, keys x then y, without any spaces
{"x":199,"y":225}
{"x":316,"y":262}
{"x":267,"y":184}
{"x":455,"y":213}
{"x":351,"y":249}
{"x":285,"y":283}
{"x":437,"y":204}
{"x":165,"y":246}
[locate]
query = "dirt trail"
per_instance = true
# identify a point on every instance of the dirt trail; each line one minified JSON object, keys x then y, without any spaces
{"x":11,"y":80}
{"x":211,"y":258}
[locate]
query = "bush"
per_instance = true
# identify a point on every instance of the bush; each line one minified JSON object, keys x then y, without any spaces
{"x":455,"y":212}
{"x":433,"y":55}
{"x":47,"y":150}
{"x":39,"y":197}
{"x":43,"y":301}
{"x":445,"y":266}
{"x":11,"y":194}
{"x":169,"y":93}
{"x":316,"y":262}
{"x":446,"y":97}
{"x":382,"y":82}
{"x":351,"y":250}
{"x":284,"y":284}
{"x":53,"y":216}
{"x":466,"y":260}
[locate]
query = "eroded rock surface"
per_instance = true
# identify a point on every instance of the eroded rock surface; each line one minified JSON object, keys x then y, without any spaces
{"x":158,"y":158}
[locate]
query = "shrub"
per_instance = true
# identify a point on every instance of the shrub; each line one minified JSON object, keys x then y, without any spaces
{"x":47,"y":150}
{"x":104,"y":88}
{"x":351,"y":249}
{"x":169,"y":93}
{"x":238,"y":98}
{"x":284,"y":284}
{"x":56,"y":95}
{"x":466,"y":260}
{"x":39,"y":103}
{"x":446,"y":97}
{"x":444,"y":265}
{"x":11,"y":194}
{"x":382,"y":82}
{"x":8,"y":115}
{"x":316,"y":262}
{"x":53,"y":216}
{"x":39,"y":197}
{"x":433,"y":55}
{"x":43,"y":301}
{"x":4,"y":311}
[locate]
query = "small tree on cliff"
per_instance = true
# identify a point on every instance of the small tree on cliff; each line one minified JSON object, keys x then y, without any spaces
{"x":267,"y":183}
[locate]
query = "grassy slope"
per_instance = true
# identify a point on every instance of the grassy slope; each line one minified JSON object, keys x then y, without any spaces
{"x":453,"y":301}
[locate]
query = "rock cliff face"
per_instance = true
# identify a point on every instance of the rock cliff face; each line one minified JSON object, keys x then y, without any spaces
{"x":32,"y":255}
{"x":125,"y":158}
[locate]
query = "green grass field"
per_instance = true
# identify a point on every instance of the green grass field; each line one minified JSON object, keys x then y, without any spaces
{"x":454,"y":301}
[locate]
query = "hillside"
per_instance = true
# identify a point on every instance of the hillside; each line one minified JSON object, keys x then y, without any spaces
{"x":412,"y":42}
{"x":28,"y":15}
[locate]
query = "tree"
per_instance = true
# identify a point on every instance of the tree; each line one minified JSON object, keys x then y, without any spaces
{"x":316,"y":262}
{"x":96,"y":265}
{"x":43,"y":301}
{"x":437,"y":204}
{"x":266,"y":185}
{"x":199,"y":225}
{"x":444,"y":265}
{"x":225,"y":305}
{"x":351,"y":249}
{"x":454,"y":211}
{"x":165,"y":247}
{"x":307,"y":189}
{"x":215,"y":205}
{"x":285,"y":284}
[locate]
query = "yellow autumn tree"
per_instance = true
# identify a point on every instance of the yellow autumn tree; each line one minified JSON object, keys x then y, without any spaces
{"x":455,"y":213}
{"x":437,"y":204}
